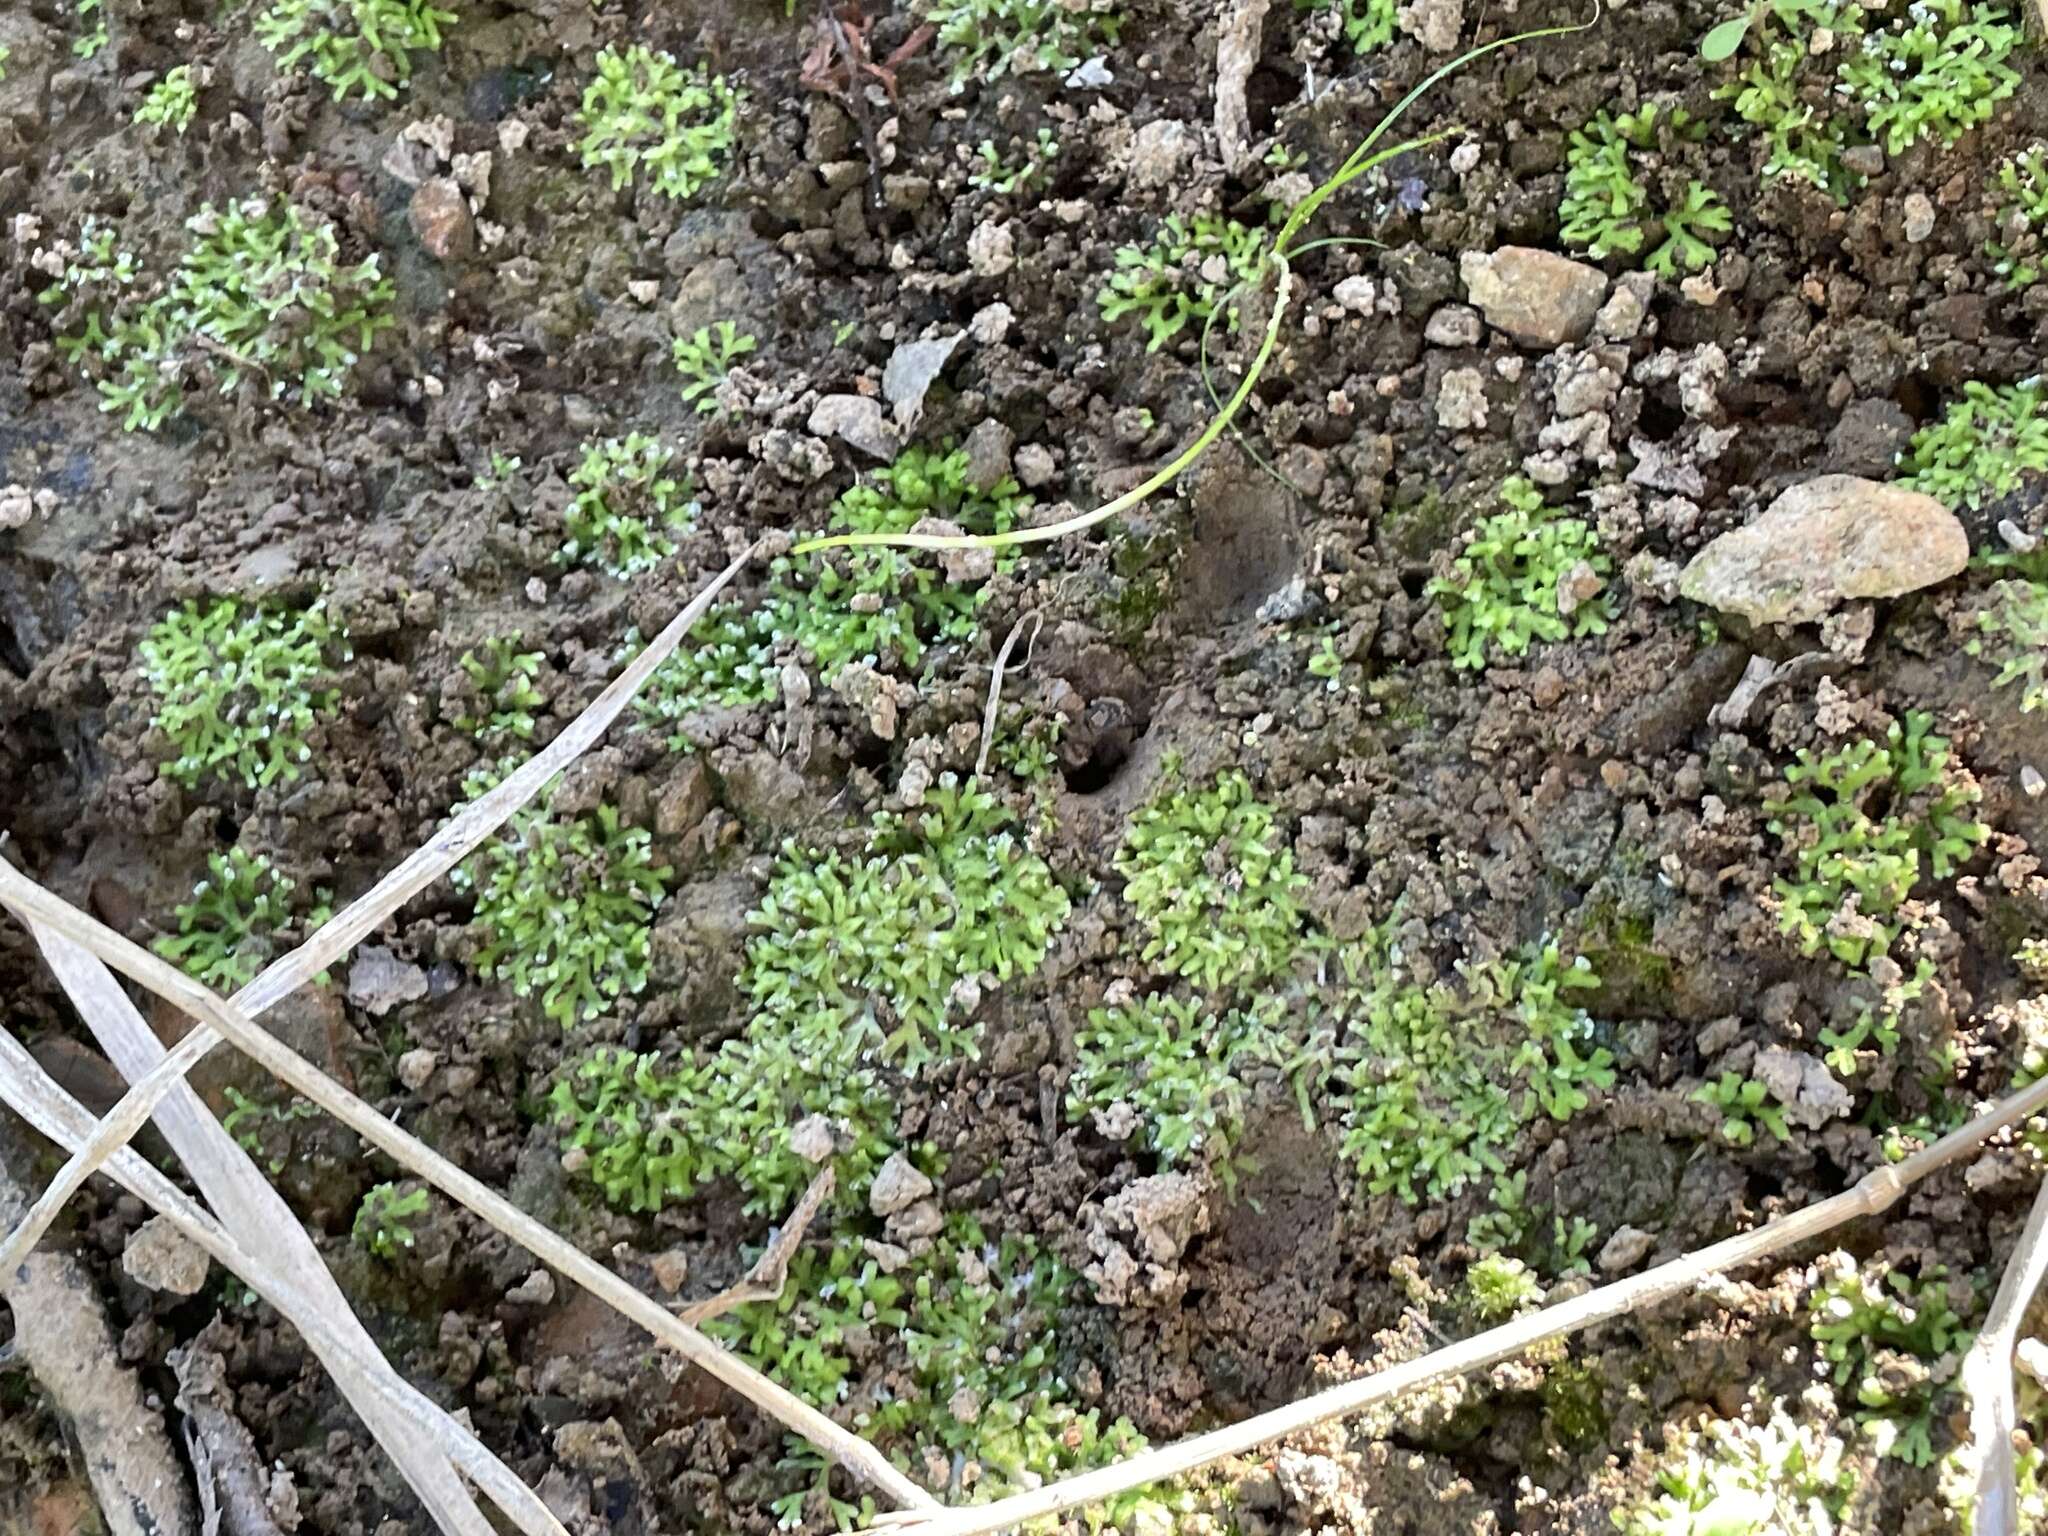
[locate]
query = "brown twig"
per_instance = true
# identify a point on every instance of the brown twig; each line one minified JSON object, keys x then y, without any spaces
{"x":764,"y":1282}
{"x":1987,"y":1378}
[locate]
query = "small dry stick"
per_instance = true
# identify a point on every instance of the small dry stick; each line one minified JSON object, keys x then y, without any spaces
{"x":1987,"y":1379}
{"x":764,"y":1282}
{"x":1873,"y":1193}
{"x":995,"y":685}
{"x":39,"y":907}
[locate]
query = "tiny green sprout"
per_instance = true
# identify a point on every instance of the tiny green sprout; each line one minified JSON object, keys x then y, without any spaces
{"x":726,"y":661}
{"x":353,"y":45}
{"x":1169,"y":282}
{"x":230,"y":926}
{"x":1508,"y":585}
{"x":258,"y":299}
{"x":988,"y":39}
{"x":1933,"y":74}
{"x":264,"y":1131}
{"x":1506,"y":1223}
{"x":2013,"y":632}
{"x":172,"y":101}
{"x":501,"y":682}
{"x":1983,"y":448}
{"x":1606,"y":206}
{"x":645,"y":115}
{"x":1498,"y":1287}
{"x":564,"y":906}
{"x":2020,"y":218}
{"x":626,"y":504}
{"x":991,"y":174}
{"x":1368,"y":24}
{"x":503,"y":467}
{"x":1744,"y":1104}
{"x":6,"y":53}
{"x":1213,"y":885}
{"x":94,"y":38}
{"x":239,"y":691}
{"x":383,"y":1224}
{"x":1572,"y":1244}
{"x":1172,"y":1071}
{"x":1326,"y":663}
{"x":1855,"y":869}
{"x":1766,"y":1472}
{"x":1888,"y":1337}
{"x":705,"y":358}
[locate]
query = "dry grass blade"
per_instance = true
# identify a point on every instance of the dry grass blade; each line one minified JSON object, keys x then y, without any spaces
{"x":764,"y":1282}
{"x":1873,"y":1193}
{"x":249,"y":1207}
{"x":40,"y":907}
{"x":348,"y":928}
{"x":37,"y":1099}
{"x":995,"y":685}
{"x":1987,"y":1378}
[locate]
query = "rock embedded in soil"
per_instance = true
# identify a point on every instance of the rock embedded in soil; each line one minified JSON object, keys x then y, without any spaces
{"x":898,"y":1186}
{"x":161,"y":1258}
{"x":1802,"y":1084}
{"x":911,"y":369}
{"x":1627,"y":1248}
{"x":1539,"y":298}
{"x":440,"y":217}
{"x":856,"y":421}
{"x":1830,"y":540}
{"x":379,"y":981}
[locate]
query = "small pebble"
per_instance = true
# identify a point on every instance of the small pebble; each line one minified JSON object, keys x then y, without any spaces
{"x":2032,"y":782}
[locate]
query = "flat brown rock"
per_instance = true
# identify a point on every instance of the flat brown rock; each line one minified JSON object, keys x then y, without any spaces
{"x":1539,"y":298}
{"x":1831,"y":540}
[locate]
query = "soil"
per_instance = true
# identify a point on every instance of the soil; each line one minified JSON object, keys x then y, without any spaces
{"x":1587,"y":792}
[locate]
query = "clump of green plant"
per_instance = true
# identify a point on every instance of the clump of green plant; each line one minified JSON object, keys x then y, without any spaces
{"x":172,"y":101}
{"x":1607,"y":206}
{"x":501,"y":678}
{"x":992,"y":174}
{"x":1777,"y":92}
{"x":1498,"y":1287}
{"x":1983,"y":448}
{"x":626,"y":504}
{"x":264,"y":1131}
{"x":883,"y":606}
{"x":1933,"y":74}
{"x":1896,"y":1342}
{"x":564,"y":906}
{"x":1856,"y":868}
{"x":1368,"y":24}
{"x":1437,"y":1080}
{"x":1506,"y":589}
{"x":1170,"y":1070}
{"x":353,"y":45}
{"x":1744,"y":1104}
{"x":238,"y":690}
{"x":94,"y":37}
{"x":383,"y":1224}
{"x":706,"y":357}
{"x":726,"y":661}
{"x":6,"y":53}
{"x":2020,"y":218}
{"x":968,"y":1339}
{"x":894,"y":947}
{"x":988,"y":39}
{"x":1768,"y":1472}
{"x":258,"y":297}
{"x":1213,"y":884}
{"x":230,"y":926}
{"x":1172,"y":281}
{"x":2013,"y":625}
{"x":644,"y":115}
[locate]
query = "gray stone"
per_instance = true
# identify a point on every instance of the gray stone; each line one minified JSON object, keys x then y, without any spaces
{"x":912,"y":368}
{"x":1035,"y":466}
{"x":1454,"y":325}
{"x":898,"y":1186}
{"x":1627,"y":1248}
{"x":1539,"y":298}
{"x":379,"y":981}
{"x":856,"y":421}
{"x":989,"y":447}
{"x":1461,"y":400}
{"x":1831,"y":540}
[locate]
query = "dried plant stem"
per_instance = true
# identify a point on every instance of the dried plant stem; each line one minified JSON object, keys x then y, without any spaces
{"x":39,"y":907}
{"x":1987,"y":1378}
{"x":37,"y":1099}
{"x":1873,"y":1193}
